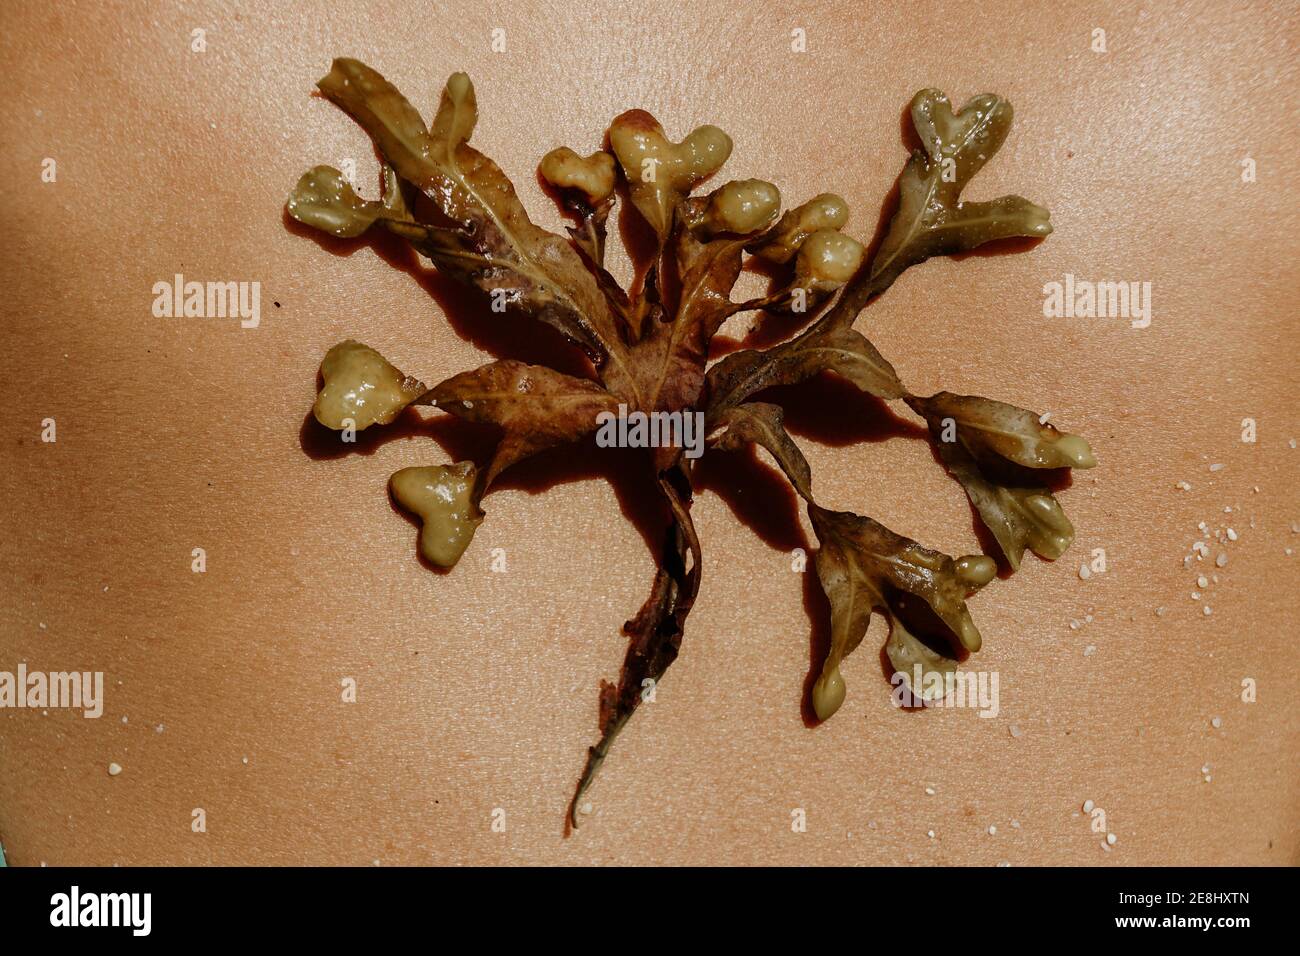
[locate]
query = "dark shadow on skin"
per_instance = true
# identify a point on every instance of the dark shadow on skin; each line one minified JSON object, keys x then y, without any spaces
{"x":833,"y":411}
{"x":623,"y":469}
{"x":888,"y":207}
{"x":907,"y":130}
{"x":769,"y":328}
{"x":1014,"y":245}
{"x":626,"y":470}
{"x":758,"y":495}
{"x":505,"y":335}
{"x":324,"y":444}
{"x":987,"y":542}
{"x":818,"y":610}
{"x":638,"y":238}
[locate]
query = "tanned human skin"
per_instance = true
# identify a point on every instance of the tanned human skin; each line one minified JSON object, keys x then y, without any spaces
{"x":474,"y":687}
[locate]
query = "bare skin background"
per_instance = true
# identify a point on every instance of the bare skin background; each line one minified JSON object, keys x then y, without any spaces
{"x":475,"y":690}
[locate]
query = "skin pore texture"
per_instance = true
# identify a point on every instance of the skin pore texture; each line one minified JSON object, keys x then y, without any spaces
{"x":225,"y":690}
